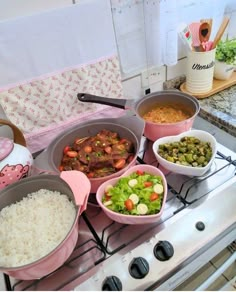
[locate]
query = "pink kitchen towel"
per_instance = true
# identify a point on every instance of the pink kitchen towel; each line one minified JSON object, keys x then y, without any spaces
{"x":45,"y":107}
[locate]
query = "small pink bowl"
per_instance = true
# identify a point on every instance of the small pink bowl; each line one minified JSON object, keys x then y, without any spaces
{"x":132,"y":219}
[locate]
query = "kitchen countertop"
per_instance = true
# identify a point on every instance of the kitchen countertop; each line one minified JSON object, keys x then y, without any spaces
{"x":218,"y":109}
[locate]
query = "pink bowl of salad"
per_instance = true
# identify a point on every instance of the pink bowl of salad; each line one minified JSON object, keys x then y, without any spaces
{"x":138,"y":196}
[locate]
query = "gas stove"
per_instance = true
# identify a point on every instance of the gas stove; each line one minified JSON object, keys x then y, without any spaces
{"x":198,"y":221}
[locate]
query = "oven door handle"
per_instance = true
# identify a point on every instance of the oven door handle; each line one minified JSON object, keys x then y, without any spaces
{"x":217,"y":273}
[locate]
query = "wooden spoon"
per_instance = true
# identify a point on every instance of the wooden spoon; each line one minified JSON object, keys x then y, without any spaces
{"x":220,"y":31}
{"x":204,"y":32}
{"x":208,"y":20}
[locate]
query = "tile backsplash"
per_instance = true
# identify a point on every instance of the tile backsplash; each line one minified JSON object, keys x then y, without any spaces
{"x":132,"y":85}
{"x":135,"y":90}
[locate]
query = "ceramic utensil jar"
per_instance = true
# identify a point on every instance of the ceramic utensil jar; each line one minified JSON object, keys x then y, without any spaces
{"x":15,"y":159}
{"x":200,"y":71}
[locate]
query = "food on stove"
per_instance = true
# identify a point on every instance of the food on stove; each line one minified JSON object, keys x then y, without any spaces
{"x":166,"y":114}
{"x":34,"y":226}
{"x":189,"y":151}
{"x":139,"y":193}
{"x":99,"y":155}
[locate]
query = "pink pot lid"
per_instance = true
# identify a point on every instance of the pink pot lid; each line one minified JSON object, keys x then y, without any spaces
{"x":6,"y":146}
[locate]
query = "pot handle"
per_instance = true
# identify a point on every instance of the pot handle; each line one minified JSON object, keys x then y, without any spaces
{"x":18,"y":136}
{"x":119,"y":103}
{"x":80,"y":186}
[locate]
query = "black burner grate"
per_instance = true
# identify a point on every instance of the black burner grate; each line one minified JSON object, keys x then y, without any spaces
{"x":100,"y":243}
{"x":113,"y":231}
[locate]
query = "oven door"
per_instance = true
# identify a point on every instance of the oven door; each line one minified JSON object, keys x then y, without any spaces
{"x":202,"y":272}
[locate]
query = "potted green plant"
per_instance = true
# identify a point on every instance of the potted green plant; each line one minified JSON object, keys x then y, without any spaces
{"x":225,"y":59}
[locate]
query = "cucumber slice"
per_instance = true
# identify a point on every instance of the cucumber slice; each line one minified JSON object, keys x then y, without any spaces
{"x":158,"y":188}
{"x":134,"y":198}
{"x":142,"y":209}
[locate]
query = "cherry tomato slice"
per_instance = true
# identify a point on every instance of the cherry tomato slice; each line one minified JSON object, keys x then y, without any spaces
{"x":139,"y":172}
{"x":120,"y":163}
{"x":90,"y":175}
{"x":147,"y":184}
{"x":66,"y":149}
{"x":129,"y":205}
{"x":88,"y":149}
{"x":71,"y":153}
{"x":122,"y":141}
{"x":153,"y":197}
{"x":107,"y":198}
{"x":61,"y":168}
{"x":108,"y":149}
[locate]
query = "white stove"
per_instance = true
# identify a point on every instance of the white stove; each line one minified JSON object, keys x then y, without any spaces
{"x":199,"y":220}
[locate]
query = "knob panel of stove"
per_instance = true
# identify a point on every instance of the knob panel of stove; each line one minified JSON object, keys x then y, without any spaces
{"x":163,"y":250}
{"x":138,"y":268}
{"x":112,"y":283}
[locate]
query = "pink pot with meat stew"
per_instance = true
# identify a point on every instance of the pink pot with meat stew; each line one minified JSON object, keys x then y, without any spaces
{"x":101,"y":148}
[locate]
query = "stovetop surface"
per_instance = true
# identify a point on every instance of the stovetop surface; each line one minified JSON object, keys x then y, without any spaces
{"x":100,"y":238}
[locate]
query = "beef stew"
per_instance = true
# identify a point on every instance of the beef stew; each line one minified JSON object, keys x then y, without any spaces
{"x":99,"y":155}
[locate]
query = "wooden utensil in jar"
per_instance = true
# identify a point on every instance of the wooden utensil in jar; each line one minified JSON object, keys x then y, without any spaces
{"x":196,"y":44}
{"x":208,"y":20}
{"x":204,"y":32}
{"x":220,"y":31}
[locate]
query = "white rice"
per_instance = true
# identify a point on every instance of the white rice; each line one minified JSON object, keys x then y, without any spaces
{"x":34,"y":226}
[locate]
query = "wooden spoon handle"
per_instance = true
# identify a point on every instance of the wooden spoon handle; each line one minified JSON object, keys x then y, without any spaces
{"x":220,"y":32}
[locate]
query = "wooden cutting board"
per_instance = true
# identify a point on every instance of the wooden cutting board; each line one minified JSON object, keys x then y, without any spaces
{"x":218,"y":85}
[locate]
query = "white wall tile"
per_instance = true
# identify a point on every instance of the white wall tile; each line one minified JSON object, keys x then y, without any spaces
{"x":156,"y":87}
{"x":230,"y":5}
{"x":177,"y":70}
{"x":232,"y":24}
{"x":132,"y":85}
{"x":132,"y":88}
{"x":16,"y":8}
{"x":182,"y":51}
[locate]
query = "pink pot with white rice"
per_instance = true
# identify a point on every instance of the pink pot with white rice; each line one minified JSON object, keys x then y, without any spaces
{"x":72,"y":184}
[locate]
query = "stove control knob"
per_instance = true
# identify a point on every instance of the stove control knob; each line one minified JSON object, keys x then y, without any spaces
{"x":163,"y":250}
{"x":138,"y":268}
{"x":112,"y":283}
{"x":200,"y":226}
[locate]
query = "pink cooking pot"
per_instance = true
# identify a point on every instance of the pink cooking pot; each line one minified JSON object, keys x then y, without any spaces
{"x":129,"y":127}
{"x":153,"y":131}
{"x":76,"y":186}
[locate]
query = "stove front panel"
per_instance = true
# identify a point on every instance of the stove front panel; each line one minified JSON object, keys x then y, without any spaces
{"x":189,"y":232}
